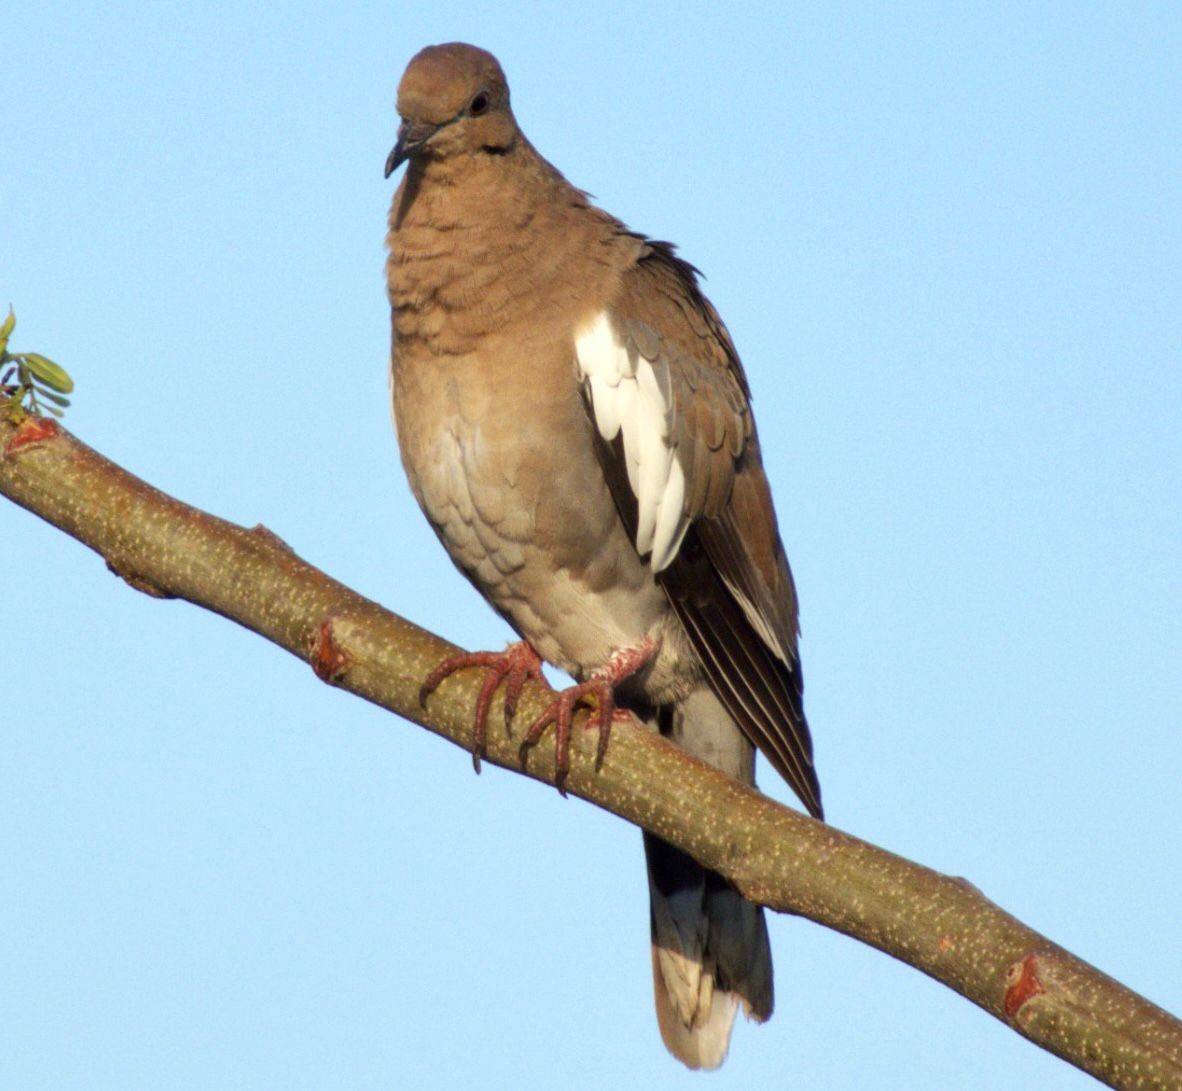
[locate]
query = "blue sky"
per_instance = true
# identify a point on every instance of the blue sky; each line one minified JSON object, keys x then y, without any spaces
{"x":947,"y":242}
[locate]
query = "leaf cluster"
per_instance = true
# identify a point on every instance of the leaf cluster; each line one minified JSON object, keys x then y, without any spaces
{"x":30,"y":382}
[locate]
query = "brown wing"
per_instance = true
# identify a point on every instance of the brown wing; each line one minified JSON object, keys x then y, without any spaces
{"x":729,"y":581}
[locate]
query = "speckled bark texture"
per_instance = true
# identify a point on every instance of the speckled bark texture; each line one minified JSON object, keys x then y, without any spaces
{"x":938,"y":924}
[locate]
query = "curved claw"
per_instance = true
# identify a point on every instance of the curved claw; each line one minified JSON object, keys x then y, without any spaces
{"x":516,"y":665}
{"x":596,"y":693}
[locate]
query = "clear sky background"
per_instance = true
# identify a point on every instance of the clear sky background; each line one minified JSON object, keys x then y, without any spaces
{"x":946,"y":239}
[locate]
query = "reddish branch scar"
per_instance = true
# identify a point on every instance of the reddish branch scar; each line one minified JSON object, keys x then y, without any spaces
{"x":1024,"y":984}
{"x":31,"y":430}
{"x":328,"y":661}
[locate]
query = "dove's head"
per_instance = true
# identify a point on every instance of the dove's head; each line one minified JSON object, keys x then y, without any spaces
{"x":453,"y":100}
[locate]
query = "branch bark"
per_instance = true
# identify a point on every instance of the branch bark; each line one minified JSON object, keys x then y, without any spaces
{"x":936,"y":923}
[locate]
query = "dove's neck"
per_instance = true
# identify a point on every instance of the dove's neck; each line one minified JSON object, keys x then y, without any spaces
{"x":481,"y":204}
{"x":476,"y":237}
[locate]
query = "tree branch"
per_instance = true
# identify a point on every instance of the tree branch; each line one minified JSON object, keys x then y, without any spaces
{"x":938,"y":924}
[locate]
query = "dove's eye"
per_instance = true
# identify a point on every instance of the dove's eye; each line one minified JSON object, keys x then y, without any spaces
{"x":479,"y":104}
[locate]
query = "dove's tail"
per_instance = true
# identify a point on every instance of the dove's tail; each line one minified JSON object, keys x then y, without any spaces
{"x":710,"y":945}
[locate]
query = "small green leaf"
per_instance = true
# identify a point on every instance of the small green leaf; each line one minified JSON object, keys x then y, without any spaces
{"x":6,"y":329}
{"x":46,"y":371}
{"x":57,"y":399}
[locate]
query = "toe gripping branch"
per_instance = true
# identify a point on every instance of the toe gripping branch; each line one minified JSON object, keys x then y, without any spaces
{"x":518,"y":664}
{"x":515,"y":666}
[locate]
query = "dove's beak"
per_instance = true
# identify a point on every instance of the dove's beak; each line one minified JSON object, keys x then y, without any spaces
{"x":412,"y":135}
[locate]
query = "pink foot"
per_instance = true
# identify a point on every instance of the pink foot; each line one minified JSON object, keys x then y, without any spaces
{"x":516,"y":665}
{"x":597,"y":693}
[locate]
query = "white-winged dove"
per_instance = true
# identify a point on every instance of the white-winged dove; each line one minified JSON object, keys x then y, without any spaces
{"x":575,"y":423}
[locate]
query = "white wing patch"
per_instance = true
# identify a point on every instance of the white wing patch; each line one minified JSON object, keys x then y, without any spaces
{"x":626,"y":398}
